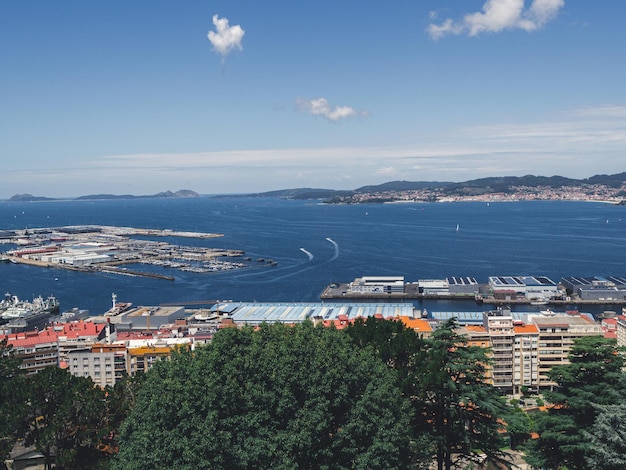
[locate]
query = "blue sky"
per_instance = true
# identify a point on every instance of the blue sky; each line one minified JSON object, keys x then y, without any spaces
{"x":243,"y":96}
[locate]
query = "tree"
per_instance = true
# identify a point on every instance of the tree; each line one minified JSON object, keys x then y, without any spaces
{"x":120,"y":400}
{"x":455,"y":405}
{"x":518,"y":426}
{"x":396,"y":344}
{"x":11,"y":400}
{"x":608,"y":439}
{"x":64,"y":418}
{"x":593,"y":377}
{"x":280,"y":397}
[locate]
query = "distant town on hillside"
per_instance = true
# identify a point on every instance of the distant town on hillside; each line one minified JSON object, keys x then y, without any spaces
{"x":609,"y":188}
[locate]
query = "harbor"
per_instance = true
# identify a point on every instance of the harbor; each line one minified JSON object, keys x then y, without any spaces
{"x":97,"y":248}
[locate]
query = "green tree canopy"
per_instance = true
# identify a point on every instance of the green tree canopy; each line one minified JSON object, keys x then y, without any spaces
{"x":396,"y":344}
{"x":11,"y":400}
{"x":280,"y":397}
{"x":608,"y":439}
{"x":455,"y":405}
{"x":64,"y":418}
{"x":593,"y":377}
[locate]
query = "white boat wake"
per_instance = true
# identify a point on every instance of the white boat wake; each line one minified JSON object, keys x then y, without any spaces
{"x":308,"y":253}
{"x":336,"y":255}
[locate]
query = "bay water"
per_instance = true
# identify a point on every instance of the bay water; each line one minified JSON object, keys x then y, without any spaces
{"x":315,"y":244}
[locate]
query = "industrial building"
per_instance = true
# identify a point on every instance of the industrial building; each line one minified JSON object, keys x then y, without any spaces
{"x":539,"y":288}
{"x":377,"y":284}
{"x":144,"y":318}
{"x":256,"y":313}
{"x":450,"y":286}
{"x":463,"y":285}
{"x":599,"y":288}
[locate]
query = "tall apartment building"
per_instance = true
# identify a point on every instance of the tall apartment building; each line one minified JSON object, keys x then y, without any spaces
{"x":499,"y":326}
{"x":524,"y":351}
{"x":556,"y":337}
{"x":525,"y":357}
{"x":104,"y":363}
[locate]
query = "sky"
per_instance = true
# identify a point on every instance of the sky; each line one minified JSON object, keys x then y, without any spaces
{"x":235,"y":96}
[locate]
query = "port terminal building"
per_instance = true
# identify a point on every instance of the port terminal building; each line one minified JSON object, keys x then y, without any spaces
{"x":449,"y":286}
{"x":372,"y":285}
{"x":377,"y":285}
{"x":531,"y":287}
{"x":599,"y":288}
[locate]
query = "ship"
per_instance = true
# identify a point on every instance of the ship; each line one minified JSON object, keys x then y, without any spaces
{"x":117,"y":307}
{"x":17,"y":315}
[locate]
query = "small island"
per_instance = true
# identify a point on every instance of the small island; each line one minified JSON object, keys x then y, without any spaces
{"x":182,"y":193}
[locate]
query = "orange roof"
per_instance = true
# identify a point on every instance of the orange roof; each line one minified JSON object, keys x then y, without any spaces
{"x":528,"y":328}
{"x":147,"y":350}
{"x":416,"y":324}
{"x":77,"y":329}
{"x":476,"y":328}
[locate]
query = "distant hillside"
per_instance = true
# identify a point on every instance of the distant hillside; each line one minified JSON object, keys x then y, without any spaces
{"x":614,"y":181}
{"x":497,"y":184}
{"x":299,"y":193}
{"x":166,"y":194}
{"x":402,"y":186}
{"x":28,"y":198}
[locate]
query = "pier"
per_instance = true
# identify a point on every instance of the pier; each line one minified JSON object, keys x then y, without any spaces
{"x":411,"y":292}
{"x":97,"y":248}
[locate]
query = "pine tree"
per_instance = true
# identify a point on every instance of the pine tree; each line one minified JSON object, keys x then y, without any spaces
{"x":455,"y":406}
{"x":593,"y":377}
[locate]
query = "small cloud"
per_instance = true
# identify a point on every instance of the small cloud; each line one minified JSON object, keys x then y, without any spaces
{"x":225,"y":38}
{"x":499,"y":15}
{"x":321,"y":107}
{"x":386,"y":171}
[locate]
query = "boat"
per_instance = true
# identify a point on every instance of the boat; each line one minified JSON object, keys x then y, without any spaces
{"x":25,"y":316}
{"x":118,"y":307}
{"x":539,"y":302}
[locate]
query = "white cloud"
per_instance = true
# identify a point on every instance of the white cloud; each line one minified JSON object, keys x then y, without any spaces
{"x":386,"y":171}
{"x":225,"y":38}
{"x":321,"y":107}
{"x":499,"y":15}
{"x":577,"y":143}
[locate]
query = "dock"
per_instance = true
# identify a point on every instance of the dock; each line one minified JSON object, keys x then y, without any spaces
{"x":98,"y":248}
{"x":337,"y":291}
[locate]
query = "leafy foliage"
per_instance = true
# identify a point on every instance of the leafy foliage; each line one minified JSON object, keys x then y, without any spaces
{"x":64,"y":417}
{"x":11,"y":400}
{"x":280,"y":397}
{"x":455,"y":405}
{"x":608,"y":439}
{"x":593,"y":377}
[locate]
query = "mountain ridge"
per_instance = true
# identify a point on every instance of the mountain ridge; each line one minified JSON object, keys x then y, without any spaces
{"x":479,"y":186}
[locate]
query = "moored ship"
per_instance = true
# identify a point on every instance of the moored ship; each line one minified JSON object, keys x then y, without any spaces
{"x":17,"y":315}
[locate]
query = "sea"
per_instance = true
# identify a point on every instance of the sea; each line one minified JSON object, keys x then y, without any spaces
{"x":315,"y":244}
